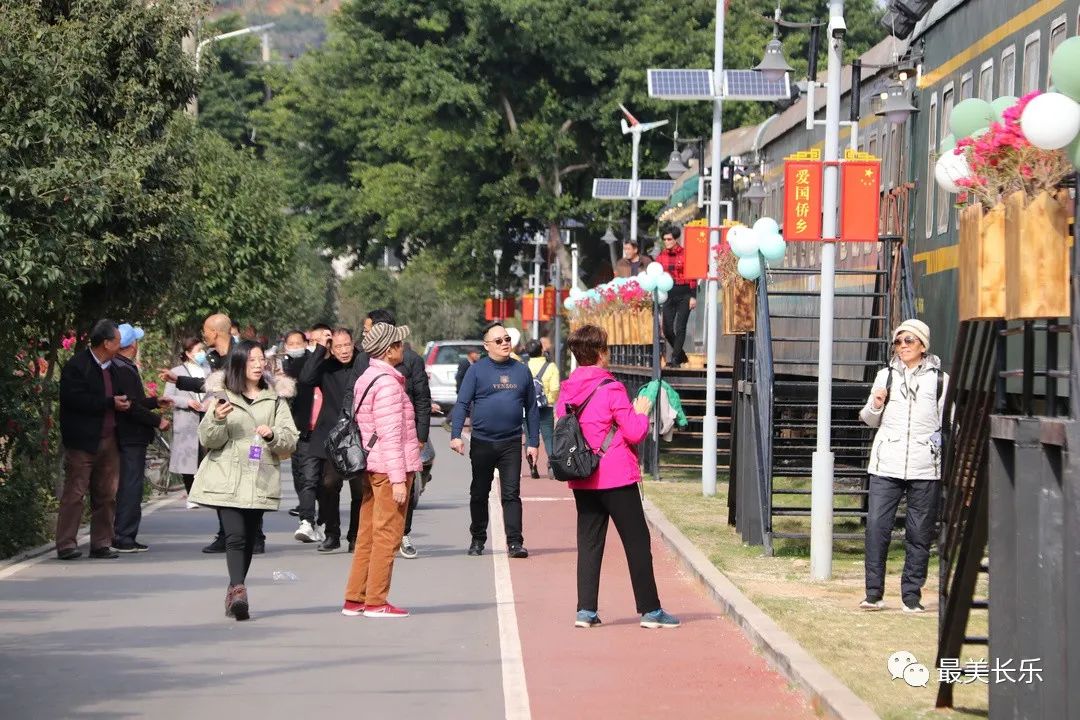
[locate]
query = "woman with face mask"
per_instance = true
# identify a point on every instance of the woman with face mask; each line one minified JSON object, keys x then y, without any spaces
{"x":188,"y":411}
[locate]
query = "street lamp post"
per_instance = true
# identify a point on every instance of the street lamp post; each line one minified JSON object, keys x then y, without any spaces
{"x":538,"y":240}
{"x":821,"y":488}
{"x":193,"y":106}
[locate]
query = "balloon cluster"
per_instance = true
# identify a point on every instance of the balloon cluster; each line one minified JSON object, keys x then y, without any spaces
{"x":625,"y":291}
{"x":751,"y":244}
{"x":1049,"y":121}
{"x":653,"y":278}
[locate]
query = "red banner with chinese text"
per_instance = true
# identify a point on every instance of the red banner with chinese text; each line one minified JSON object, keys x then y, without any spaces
{"x":802,"y":200}
{"x":860,"y":197}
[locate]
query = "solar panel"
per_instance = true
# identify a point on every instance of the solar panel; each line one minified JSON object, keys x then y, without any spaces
{"x":655,"y":189}
{"x":611,"y":189}
{"x":681,"y":84}
{"x":752,"y":85}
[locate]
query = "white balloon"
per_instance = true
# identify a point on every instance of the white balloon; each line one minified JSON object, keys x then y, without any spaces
{"x":569,"y":303}
{"x":766,"y":226}
{"x":743,"y":241}
{"x":951,"y":167}
{"x":750,"y":267}
{"x":576,"y":292}
{"x":647,"y":281}
{"x":654,"y":268}
{"x":1051,"y":121}
{"x":665,"y":282}
{"x":661,"y":297}
{"x":773,"y":247}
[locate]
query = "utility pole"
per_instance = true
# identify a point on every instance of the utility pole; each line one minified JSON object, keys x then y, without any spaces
{"x":538,"y":240}
{"x":708,"y":458}
{"x":821,"y":489}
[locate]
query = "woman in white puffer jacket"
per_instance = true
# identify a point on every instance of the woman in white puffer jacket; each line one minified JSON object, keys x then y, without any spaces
{"x":905,"y":405}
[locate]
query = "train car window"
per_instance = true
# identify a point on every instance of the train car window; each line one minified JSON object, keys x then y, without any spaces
{"x":944,"y":200}
{"x":966,"y":86}
{"x":1032,"y":44}
{"x":986,"y":80}
{"x":1058,"y":29}
{"x":931,"y":187}
{"x":872,"y":145}
{"x":1007,"y":82}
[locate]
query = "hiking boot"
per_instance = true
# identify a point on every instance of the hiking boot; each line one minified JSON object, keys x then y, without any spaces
{"x":872,"y":605}
{"x":218,"y":546}
{"x":407,"y":550}
{"x":659,"y":619}
{"x":385,"y":611}
{"x":68,"y":554}
{"x":306,"y":533}
{"x":518,"y":550}
{"x":586,"y":619}
{"x":476,"y":548}
{"x":238,"y":603}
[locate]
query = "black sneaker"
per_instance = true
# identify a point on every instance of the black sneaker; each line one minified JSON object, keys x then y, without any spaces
{"x":476,"y":548}
{"x":136,"y":547}
{"x":914,"y":607}
{"x":518,"y":551}
{"x":218,"y":546}
{"x":104,"y":553}
{"x":68,"y":554}
{"x":295,"y":512}
{"x":330,"y":544}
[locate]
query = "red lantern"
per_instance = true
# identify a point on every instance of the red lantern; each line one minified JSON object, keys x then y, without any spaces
{"x":489,"y":309}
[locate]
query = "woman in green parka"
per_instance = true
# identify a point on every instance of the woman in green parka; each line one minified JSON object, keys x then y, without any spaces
{"x":247,"y":430}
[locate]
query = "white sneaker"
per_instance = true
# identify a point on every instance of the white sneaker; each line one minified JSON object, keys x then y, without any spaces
{"x":306,"y":533}
{"x":192,"y":505}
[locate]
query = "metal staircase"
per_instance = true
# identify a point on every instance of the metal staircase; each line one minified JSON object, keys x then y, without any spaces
{"x":785,"y":413}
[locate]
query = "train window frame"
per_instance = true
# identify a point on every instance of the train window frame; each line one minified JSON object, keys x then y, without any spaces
{"x":987,"y":66}
{"x":967,"y":85}
{"x":1034,"y":39}
{"x":932,"y":132}
{"x":1059,"y":23}
{"x":941,"y":211}
{"x":1008,"y":53}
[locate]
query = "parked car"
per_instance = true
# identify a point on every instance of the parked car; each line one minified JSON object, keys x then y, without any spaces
{"x":442,"y":359}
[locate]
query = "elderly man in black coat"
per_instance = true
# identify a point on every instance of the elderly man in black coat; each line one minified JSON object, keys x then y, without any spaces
{"x":90,"y":402}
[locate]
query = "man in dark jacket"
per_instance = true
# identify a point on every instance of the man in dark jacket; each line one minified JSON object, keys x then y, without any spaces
{"x":419,"y":391}
{"x":331,"y":369}
{"x":305,"y":481}
{"x":135,"y":431}
{"x":90,"y":402}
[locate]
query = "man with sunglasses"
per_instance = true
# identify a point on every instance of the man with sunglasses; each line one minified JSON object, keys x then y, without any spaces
{"x":500,"y":391}
{"x":681,"y":298}
{"x":905,"y":405}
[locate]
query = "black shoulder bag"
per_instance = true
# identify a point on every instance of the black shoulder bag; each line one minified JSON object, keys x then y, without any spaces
{"x":344,"y":444}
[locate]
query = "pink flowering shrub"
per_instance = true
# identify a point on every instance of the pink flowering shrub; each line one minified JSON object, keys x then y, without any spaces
{"x":1002,"y":161}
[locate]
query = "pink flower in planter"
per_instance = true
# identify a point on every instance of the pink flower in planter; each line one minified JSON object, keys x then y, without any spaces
{"x":151,"y":389}
{"x":68,"y":342}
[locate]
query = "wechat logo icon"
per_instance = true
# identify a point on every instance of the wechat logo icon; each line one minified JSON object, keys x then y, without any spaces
{"x":904,"y":666}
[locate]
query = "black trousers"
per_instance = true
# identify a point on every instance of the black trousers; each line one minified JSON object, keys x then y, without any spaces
{"x":129,"y":495}
{"x":485,"y":457}
{"x":189,"y":480}
{"x":242,"y":529}
{"x":676,"y":316}
{"x":330,"y":500}
{"x":307,"y":476}
{"x":922,"y":502}
{"x":623,"y":506}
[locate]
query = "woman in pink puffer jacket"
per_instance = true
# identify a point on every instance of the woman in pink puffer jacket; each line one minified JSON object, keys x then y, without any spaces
{"x":611,"y":492}
{"x":387,"y":425}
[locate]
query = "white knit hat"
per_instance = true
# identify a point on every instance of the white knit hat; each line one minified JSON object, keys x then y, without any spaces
{"x":917,"y":328}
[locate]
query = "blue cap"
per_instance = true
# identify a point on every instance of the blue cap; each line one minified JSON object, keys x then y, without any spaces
{"x":130,"y":335}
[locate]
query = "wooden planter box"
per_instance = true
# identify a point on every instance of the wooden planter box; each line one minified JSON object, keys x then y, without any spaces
{"x":642,"y":322}
{"x":1036,"y":256}
{"x":981,"y":283}
{"x":739,"y":304}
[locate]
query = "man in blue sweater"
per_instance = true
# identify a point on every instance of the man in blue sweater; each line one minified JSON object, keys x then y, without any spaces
{"x":500,"y":390}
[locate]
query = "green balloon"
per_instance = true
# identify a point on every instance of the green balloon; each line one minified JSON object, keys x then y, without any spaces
{"x":1001,"y":104}
{"x":1072,"y":150}
{"x":1065,"y":68}
{"x":970,"y":115}
{"x":947,"y":143}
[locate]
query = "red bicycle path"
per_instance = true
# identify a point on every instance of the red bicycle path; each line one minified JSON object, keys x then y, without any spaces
{"x":706,"y":668}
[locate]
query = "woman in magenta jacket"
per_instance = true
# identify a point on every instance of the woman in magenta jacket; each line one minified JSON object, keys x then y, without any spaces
{"x":384,"y":413}
{"x":611,"y":492}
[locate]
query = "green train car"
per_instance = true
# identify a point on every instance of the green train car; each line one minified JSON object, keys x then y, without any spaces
{"x":960,"y":49}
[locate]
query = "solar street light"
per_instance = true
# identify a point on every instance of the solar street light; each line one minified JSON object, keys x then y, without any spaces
{"x":755,"y":195}
{"x":675,"y":167}
{"x":773,"y":66}
{"x":896,"y":107}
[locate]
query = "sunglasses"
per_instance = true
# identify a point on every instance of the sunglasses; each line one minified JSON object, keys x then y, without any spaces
{"x":504,"y":340}
{"x":906,"y":340}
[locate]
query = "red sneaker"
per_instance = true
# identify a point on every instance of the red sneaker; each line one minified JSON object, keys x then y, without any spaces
{"x":353,"y":608}
{"x":385,"y":611}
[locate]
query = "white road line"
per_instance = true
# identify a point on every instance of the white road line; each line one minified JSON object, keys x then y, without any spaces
{"x":45,"y":552}
{"x":515,"y":691}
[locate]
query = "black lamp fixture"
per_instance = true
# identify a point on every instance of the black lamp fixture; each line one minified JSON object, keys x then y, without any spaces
{"x":755,"y":195}
{"x":896,"y":106}
{"x":773,"y":66}
{"x":609,"y":237}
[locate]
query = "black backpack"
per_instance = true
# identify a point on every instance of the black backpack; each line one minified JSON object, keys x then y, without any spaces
{"x":344,"y":444}
{"x":571,"y":457}
{"x":538,"y":386}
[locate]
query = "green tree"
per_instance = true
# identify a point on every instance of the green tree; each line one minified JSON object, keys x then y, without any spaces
{"x":233,"y":84}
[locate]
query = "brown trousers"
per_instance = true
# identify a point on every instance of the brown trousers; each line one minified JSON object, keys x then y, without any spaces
{"x":100,"y":473}
{"x":382,"y":522}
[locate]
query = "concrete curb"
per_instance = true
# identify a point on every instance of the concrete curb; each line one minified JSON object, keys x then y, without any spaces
{"x":828,"y":696}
